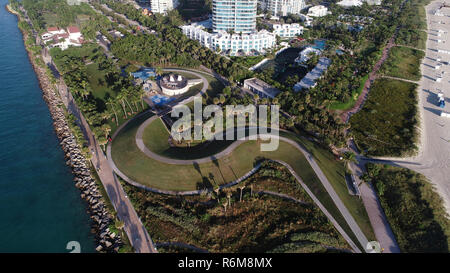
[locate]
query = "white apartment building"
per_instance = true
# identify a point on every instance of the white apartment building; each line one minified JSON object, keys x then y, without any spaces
{"x":284,"y":7}
{"x":317,"y":11}
{"x":349,"y":3}
{"x":223,"y":41}
{"x":287,"y":30}
{"x":162,"y":6}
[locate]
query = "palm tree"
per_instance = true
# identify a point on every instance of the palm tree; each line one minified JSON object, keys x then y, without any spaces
{"x":119,"y":225}
{"x":256,"y":97}
{"x":225,"y":206}
{"x":106,"y":129}
{"x":120,"y":97}
{"x":105,"y":114}
{"x":85,"y":92}
{"x":242,"y":189}
{"x":111,"y":102}
{"x":102,"y":140}
{"x":158,"y":70}
{"x":222,"y":99}
{"x":349,"y":157}
{"x":126,"y":93}
{"x":142,"y":96}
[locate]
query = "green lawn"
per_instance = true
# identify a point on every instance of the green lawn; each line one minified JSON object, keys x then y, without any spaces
{"x":152,"y":173}
{"x":156,"y":137}
{"x":404,"y":63}
{"x":248,"y":61}
{"x":97,"y":81}
{"x":386,"y":125}
{"x":143,"y":169}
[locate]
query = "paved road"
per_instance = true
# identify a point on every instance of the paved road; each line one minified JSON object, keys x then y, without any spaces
{"x":135,"y":230}
{"x":378,"y":220}
{"x":339,"y":204}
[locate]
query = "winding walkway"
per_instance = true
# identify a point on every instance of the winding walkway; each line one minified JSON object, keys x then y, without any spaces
{"x":345,"y":116}
{"x":327,"y":185}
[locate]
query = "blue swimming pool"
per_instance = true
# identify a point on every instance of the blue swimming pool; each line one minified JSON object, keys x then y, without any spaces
{"x":160,"y":99}
{"x":319,"y":44}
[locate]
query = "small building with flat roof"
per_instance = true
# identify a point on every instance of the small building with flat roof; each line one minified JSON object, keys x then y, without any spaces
{"x":310,"y":80}
{"x":261,"y":88}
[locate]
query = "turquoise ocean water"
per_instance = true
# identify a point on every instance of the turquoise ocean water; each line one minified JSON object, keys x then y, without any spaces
{"x":40,"y":208}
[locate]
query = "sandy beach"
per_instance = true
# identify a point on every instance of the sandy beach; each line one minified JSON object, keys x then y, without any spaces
{"x":433,"y":157}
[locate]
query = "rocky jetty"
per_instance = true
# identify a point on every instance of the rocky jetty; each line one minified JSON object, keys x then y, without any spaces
{"x":106,"y":240}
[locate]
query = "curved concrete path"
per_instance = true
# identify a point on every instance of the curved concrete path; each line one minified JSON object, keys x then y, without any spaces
{"x":328,"y":187}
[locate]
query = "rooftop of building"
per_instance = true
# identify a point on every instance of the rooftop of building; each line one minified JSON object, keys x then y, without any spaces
{"x":173,"y":81}
{"x":262,"y":86}
{"x":73,"y":29}
{"x":310,"y":79}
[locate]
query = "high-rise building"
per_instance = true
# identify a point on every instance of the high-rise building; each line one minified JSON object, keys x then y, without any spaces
{"x":234,"y":15}
{"x":284,"y":7}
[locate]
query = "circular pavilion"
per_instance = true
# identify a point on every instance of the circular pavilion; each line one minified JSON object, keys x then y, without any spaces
{"x":173,"y":84}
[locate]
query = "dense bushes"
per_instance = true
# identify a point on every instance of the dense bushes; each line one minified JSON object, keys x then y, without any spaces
{"x":148,"y":49}
{"x":50,"y":13}
{"x":403,"y":62}
{"x":386,"y":125}
{"x":222,"y":222}
{"x":414,"y":210}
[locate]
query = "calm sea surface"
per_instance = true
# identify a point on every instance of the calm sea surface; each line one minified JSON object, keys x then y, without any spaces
{"x":40,"y":208}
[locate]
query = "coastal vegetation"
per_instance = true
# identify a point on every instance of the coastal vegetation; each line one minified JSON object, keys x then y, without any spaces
{"x":414,"y":210}
{"x":412,"y":27}
{"x":52,"y":13}
{"x":412,"y":37}
{"x":386,"y":125}
{"x":404,"y":63}
{"x":268,"y":223}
